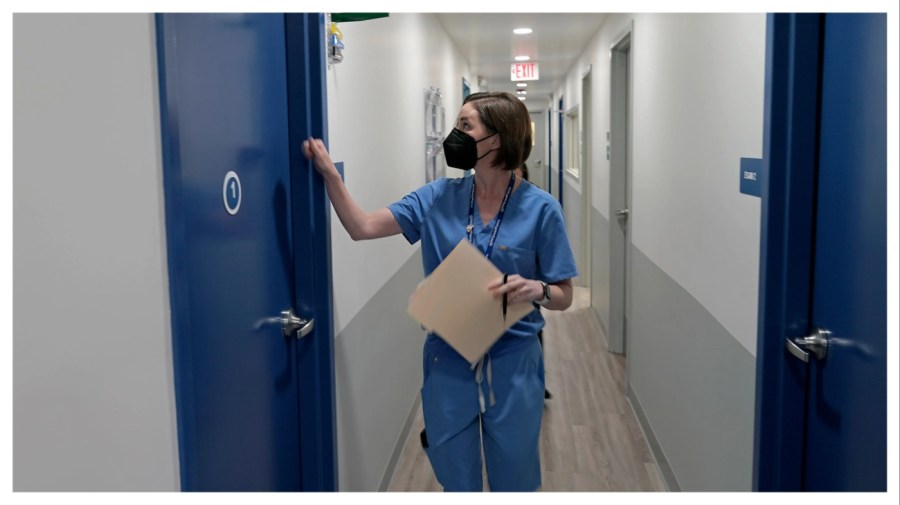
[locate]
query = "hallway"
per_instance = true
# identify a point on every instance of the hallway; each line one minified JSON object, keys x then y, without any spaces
{"x":590,"y":439}
{"x":721,"y":178}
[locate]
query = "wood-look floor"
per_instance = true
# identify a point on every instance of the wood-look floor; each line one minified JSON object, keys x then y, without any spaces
{"x":590,"y":438}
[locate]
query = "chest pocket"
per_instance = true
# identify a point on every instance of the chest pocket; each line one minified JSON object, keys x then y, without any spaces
{"x":515,"y":260}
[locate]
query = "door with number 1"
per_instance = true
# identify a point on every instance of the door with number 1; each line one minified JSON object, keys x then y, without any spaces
{"x":240,"y":214}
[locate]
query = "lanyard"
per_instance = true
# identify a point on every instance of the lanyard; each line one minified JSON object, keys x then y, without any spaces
{"x":471,"y":227}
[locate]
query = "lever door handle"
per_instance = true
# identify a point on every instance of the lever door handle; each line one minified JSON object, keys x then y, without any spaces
{"x":291,"y":324}
{"x":623,"y":212}
{"x":815,"y":344}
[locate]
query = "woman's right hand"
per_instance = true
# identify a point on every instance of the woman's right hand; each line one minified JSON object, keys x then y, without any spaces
{"x":315,"y":150}
{"x":359,"y":224}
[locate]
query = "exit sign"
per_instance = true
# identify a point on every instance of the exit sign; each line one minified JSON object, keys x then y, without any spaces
{"x":523,"y":72}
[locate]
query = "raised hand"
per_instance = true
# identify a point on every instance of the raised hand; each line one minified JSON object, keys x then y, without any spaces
{"x":315,"y":150}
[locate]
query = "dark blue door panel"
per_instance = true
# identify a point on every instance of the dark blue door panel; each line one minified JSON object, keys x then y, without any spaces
{"x":312,"y":249}
{"x":848,"y":397}
{"x":821,"y":425}
{"x":224,"y":108}
{"x":786,"y":244}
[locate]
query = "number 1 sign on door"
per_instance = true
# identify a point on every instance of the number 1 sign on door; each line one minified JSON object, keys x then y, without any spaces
{"x":231,"y":192}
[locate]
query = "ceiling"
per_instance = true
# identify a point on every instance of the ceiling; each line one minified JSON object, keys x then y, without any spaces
{"x":488,"y":43}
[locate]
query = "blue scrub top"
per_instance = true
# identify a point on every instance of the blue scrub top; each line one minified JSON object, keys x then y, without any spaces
{"x":532,"y":240}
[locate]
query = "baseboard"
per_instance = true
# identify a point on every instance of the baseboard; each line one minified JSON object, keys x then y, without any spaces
{"x":655,"y":449}
{"x":400,"y":446}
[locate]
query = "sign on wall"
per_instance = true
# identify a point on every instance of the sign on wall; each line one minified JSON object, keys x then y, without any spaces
{"x":750,"y":171}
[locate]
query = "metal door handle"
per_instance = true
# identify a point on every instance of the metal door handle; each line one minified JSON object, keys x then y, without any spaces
{"x":290,"y":324}
{"x":623,"y":212}
{"x":816,"y":343}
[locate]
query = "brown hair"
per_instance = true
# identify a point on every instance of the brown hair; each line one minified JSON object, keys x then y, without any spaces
{"x":506,"y":115}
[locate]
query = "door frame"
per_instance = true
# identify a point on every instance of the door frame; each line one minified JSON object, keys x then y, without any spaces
{"x":549,"y":150}
{"x":786,"y":245}
{"x":585,"y":173}
{"x":561,"y":112}
{"x":310,"y":221}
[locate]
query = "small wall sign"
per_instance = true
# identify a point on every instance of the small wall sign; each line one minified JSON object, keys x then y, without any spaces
{"x":750,"y":174}
{"x":231,"y":192}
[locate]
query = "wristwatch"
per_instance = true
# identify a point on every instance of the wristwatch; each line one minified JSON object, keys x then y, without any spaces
{"x":546,"y":299}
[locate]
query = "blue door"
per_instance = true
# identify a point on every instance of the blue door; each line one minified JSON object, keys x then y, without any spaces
{"x":847,"y":413}
{"x":822,"y":369}
{"x":235,"y":252}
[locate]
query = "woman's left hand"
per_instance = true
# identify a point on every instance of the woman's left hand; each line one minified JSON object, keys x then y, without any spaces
{"x":520,"y":289}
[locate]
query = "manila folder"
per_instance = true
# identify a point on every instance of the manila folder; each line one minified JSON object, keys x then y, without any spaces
{"x":454,"y":302}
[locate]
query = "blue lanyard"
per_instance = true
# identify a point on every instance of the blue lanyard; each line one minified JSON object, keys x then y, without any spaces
{"x":470,"y":229}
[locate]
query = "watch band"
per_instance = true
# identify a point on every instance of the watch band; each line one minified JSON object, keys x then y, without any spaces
{"x":546,"y":299}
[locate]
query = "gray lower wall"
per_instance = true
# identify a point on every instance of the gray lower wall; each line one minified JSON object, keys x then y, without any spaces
{"x":600,"y":269}
{"x":693,"y":381}
{"x":378,"y":374}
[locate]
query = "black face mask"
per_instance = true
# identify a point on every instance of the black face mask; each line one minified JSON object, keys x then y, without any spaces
{"x":461,"y":150}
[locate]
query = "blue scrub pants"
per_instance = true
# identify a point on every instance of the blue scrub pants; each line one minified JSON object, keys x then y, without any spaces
{"x":509,"y":429}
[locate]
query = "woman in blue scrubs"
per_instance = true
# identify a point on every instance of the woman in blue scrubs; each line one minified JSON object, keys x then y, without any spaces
{"x":497,"y":406}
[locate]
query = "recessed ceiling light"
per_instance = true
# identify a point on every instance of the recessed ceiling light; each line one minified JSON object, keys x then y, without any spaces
{"x":522,"y":31}
{"x":522,"y":84}
{"x":522,"y":98}
{"x":523,"y":58}
{"x":521,"y":92}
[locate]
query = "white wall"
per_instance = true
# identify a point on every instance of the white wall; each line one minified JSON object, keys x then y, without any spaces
{"x":94,"y":406}
{"x":690,"y":217}
{"x":376,"y":114}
